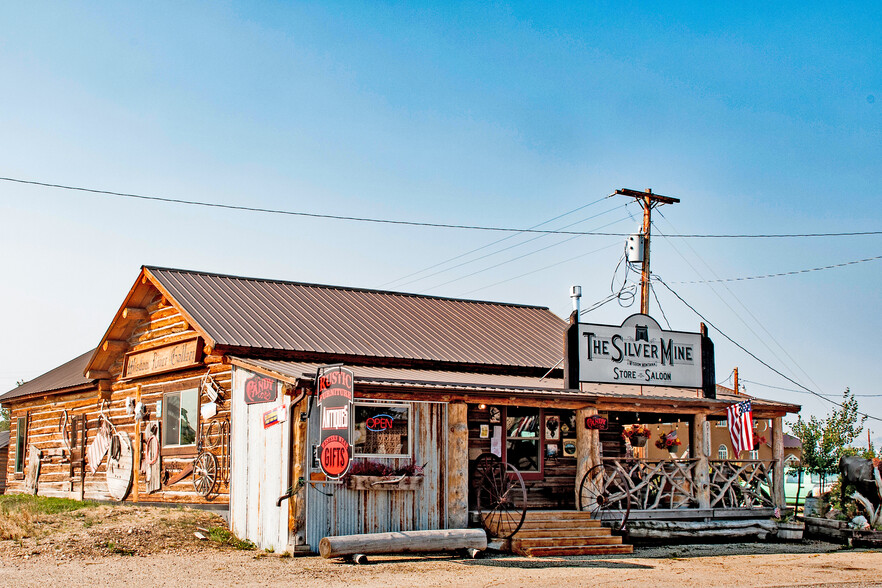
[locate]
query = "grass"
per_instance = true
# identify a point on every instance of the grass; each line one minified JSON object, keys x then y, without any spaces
{"x":20,"y":514}
{"x":118,"y":549}
{"x":222,"y":535}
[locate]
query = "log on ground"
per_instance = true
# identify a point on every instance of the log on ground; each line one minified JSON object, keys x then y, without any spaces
{"x":403,"y":542}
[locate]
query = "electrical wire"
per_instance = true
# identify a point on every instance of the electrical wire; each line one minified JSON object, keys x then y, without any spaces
{"x":804,"y":392}
{"x":792,"y":273}
{"x":658,"y":303}
{"x":513,"y":259}
{"x":530,"y":240}
{"x":421,"y":224}
{"x":461,"y":255}
{"x":754,"y":356}
{"x":759,"y":323}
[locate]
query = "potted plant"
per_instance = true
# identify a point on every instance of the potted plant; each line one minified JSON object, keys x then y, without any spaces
{"x":758,"y":440}
{"x":668,"y":441}
{"x":790,"y":529}
{"x":373,"y":475}
{"x":638,"y":434}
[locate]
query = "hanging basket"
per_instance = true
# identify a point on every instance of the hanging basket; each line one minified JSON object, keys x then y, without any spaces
{"x":639,"y":440}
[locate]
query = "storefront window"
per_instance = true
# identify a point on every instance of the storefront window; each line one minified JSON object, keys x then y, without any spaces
{"x":20,"y":432}
{"x":180,"y":414}
{"x":382,"y":430}
{"x":523,"y":446}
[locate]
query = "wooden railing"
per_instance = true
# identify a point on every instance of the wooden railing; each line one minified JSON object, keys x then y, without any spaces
{"x":741,"y":484}
{"x":671,"y":484}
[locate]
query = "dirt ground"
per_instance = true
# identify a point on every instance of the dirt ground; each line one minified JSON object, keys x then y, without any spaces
{"x":111,"y":546}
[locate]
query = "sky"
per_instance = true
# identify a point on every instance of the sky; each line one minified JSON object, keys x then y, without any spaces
{"x":760,"y":119}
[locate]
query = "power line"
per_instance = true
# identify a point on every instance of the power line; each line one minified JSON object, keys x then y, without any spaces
{"x":422,"y":224}
{"x":804,"y":392}
{"x":744,"y":349}
{"x":792,"y":273}
{"x":461,"y":255}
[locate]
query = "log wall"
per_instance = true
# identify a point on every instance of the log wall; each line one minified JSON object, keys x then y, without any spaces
{"x":162,"y":325}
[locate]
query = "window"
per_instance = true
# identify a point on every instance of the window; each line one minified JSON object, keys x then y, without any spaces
{"x":723,"y":452}
{"x":522,"y":429}
{"x":20,"y":433}
{"x":180,"y":417}
{"x":382,"y":430}
{"x":753,"y":454}
{"x":721,"y":423}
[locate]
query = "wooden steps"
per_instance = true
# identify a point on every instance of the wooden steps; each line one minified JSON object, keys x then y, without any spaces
{"x":563,"y":532}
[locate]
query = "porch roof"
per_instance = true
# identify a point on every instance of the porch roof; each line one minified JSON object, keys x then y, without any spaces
{"x":428,"y":381}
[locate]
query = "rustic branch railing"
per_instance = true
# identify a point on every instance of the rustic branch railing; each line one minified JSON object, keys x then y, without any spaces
{"x":658,"y":484}
{"x":741,"y":484}
{"x":670,"y":484}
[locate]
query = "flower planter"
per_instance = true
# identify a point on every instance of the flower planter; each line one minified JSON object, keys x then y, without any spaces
{"x":639,"y":440}
{"x":384,"y":482}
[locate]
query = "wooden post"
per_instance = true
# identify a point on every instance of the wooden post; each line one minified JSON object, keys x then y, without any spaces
{"x":700,"y":442}
{"x":778,"y":467}
{"x":137,"y":443}
{"x":299,"y":453}
{"x":587,"y":446}
{"x":457,"y":465}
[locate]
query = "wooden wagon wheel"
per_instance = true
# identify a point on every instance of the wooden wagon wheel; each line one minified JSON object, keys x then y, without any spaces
{"x":205,"y":473}
{"x":501,"y":499}
{"x":605,"y":493}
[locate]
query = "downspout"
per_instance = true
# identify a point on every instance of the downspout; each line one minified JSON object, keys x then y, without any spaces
{"x":292,"y":489}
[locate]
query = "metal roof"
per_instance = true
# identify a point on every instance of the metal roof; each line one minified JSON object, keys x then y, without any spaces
{"x":496,"y":384}
{"x":67,"y":375}
{"x":4,"y":439}
{"x":293,"y":316}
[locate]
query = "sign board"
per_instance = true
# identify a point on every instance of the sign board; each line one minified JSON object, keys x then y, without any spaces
{"x":335,"y":392}
{"x":260,"y":389}
{"x":274,"y":416}
{"x":163,"y":359}
{"x":639,"y":352}
{"x":596,"y":422}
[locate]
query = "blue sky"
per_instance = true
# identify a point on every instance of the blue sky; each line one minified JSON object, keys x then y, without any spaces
{"x":760,"y":119}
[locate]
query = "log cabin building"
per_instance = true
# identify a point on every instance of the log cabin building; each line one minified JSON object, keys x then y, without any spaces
{"x":202,"y":391}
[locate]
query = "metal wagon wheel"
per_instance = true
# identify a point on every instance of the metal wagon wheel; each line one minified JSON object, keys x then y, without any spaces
{"x":605,"y":493}
{"x":501,"y":500}
{"x":205,"y":473}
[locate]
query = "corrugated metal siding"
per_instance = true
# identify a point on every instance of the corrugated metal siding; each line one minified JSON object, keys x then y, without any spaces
{"x":267,"y":314}
{"x":345,"y":512}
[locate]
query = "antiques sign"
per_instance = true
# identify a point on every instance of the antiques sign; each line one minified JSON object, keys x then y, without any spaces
{"x":335,"y":391}
{"x":639,"y":352}
{"x":163,"y":359}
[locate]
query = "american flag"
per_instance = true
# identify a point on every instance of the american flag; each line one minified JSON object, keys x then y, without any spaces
{"x":740,"y":420}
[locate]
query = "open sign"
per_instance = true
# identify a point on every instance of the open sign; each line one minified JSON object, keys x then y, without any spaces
{"x":381,"y":422}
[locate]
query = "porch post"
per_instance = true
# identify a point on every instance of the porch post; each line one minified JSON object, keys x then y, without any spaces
{"x":778,"y":466}
{"x":457,"y":465}
{"x":587,"y":446}
{"x":700,"y":442}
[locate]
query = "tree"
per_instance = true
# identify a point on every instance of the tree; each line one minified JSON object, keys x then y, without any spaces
{"x":4,"y":418}
{"x":824,"y":441}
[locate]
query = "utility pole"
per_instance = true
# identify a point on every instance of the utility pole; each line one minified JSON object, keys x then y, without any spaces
{"x":648,"y":201}
{"x":736,"y":380}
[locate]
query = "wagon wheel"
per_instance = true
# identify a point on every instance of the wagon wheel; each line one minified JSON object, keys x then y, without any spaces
{"x":205,"y":473}
{"x":605,"y":493}
{"x":501,"y":500}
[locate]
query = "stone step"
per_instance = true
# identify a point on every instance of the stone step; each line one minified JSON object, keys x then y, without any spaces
{"x":564,"y":532}
{"x":576,"y":550}
{"x":519,"y":543}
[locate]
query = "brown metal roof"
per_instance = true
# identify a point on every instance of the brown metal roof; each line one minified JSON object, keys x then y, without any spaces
{"x":293,"y":316}
{"x":4,"y":439}
{"x":68,"y":375}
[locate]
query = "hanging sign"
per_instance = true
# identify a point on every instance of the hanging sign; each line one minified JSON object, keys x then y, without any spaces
{"x":639,"y":352}
{"x":260,"y":389}
{"x":596,"y":422}
{"x":335,"y":391}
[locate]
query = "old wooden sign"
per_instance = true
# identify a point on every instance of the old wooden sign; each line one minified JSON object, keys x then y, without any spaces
{"x":163,"y":359}
{"x":335,"y":392}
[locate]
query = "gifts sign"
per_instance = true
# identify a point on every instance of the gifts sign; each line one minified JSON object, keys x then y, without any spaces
{"x":335,"y":408}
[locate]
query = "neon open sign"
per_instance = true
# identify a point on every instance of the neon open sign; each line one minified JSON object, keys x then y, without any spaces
{"x":381,"y":422}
